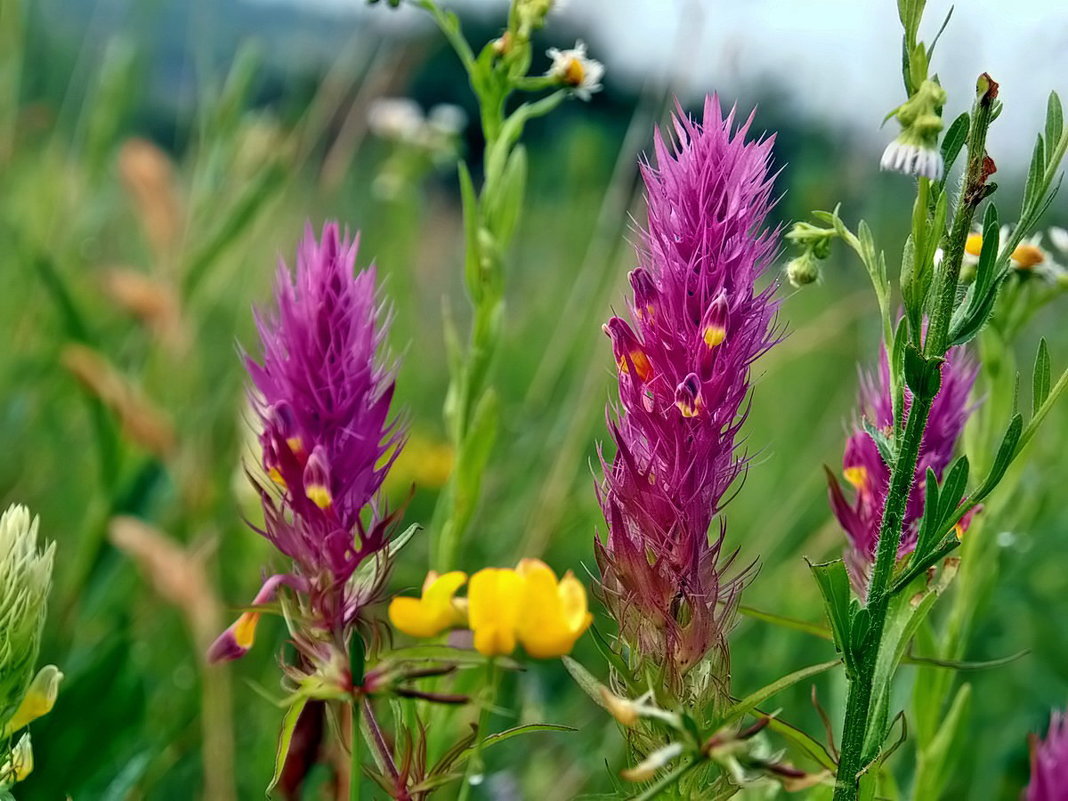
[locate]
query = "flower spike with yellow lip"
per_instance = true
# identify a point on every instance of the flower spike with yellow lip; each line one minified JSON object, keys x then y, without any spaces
{"x":435,"y":611}
{"x":554,"y":614}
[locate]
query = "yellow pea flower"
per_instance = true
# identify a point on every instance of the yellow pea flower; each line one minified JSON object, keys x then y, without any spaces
{"x":554,"y":613}
{"x":493,"y":609}
{"x":38,"y":701}
{"x":435,"y":611}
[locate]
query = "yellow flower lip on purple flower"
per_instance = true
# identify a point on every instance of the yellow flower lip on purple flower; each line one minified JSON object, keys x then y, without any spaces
{"x":435,"y":611}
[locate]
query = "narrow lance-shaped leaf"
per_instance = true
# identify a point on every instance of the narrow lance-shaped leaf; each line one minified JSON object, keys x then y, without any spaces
{"x":1040,"y":382}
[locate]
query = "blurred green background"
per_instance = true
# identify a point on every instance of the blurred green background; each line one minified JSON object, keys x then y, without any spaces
{"x":152,"y":172}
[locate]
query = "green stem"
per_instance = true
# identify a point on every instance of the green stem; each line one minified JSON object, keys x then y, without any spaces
{"x":858,"y":703}
{"x":355,"y":757}
{"x":474,"y":763}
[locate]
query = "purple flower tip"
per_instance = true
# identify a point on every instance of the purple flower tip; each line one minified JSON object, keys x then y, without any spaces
{"x":697,"y":323}
{"x":323,"y":398}
{"x":1049,"y":763}
{"x":864,"y":469}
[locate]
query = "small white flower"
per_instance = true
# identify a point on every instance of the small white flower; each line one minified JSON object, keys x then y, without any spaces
{"x":395,"y":118}
{"x":913,"y":159}
{"x":575,"y":69}
{"x":447,"y":118}
{"x":1058,"y":237}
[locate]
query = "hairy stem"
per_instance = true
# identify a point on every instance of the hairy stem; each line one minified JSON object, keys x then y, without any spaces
{"x":858,"y":703}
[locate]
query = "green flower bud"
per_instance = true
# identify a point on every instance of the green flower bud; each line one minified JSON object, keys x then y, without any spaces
{"x":25,"y":579}
{"x":803,"y":270}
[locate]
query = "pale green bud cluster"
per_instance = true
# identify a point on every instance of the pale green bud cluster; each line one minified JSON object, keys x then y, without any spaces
{"x":814,"y":243}
{"x":25,"y":579}
{"x":532,"y":14}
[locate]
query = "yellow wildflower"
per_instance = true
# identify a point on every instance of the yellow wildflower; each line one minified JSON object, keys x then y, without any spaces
{"x":554,"y":613}
{"x":435,"y":611}
{"x":493,"y":609}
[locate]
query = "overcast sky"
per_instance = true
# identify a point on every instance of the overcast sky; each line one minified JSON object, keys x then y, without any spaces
{"x":839,"y":58}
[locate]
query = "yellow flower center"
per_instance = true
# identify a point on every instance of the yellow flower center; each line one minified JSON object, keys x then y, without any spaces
{"x":973,"y":246}
{"x":574,"y":72}
{"x":1028,"y":256}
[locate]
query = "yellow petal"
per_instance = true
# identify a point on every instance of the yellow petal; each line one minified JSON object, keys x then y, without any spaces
{"x":39,"y":699}
{"x":434,"y":612}
{"x":554,"y":614}
{"x":493,"y":609}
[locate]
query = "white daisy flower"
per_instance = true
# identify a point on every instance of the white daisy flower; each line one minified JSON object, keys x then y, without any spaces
{"x":575,"y":69}
{"x":913,"y":158}
{"x":395,"y":118}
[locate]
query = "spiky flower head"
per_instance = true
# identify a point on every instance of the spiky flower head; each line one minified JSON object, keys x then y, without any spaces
{"x":1049,"y":763}
{"x":863,"y":466}
{"x":697,"y":324}
{"x":323,"y":395}
{"x":25,"y":579}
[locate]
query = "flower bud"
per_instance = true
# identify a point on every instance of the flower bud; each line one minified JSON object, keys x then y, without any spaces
{"x":26,"y":577}
{"x":803,"y":270}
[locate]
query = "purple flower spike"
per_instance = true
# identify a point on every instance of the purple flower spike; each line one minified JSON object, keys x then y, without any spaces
{"x":1049,"y":763}
{"x":323,"y":398}
{"x":864,"y":468}
{"x":697,"y":324}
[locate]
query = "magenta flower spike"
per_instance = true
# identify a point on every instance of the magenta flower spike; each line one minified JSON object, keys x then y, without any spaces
{"x":864,"y":468}
{"x":322,"y":396}
{"x":1049,"y":763}
{"x":697,"y":324}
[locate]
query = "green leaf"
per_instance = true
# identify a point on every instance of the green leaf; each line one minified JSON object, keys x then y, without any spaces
{"x":814,"y":629}
{"x":472,"y":223}
{"x":616,"y":662}
{"x":1035,"y":174}
{"x":962,"y":666}
{"x":1040,"y":415}
{"x":506,"y":201}
{"x":1054,"y":120}
{"x":882,"y":442}
{"x":585,"y":680}
{"x":446,"y":653}
{"x":755,"y":699}
{"x":809,"y":745}
{"x":932,"y":772}
{"x":953,"y":487}
{"x":1040,"y":381}
{"x":833,"y":581}
{"x":289,"y":723}
{"x":921,"y":562}
{"x":1006,"y":453}
{"x":929,"y":524}
{"x":508,"y":734}
{"x":922,"y":375}
{"x":978,"y":305}
{"x":953,"y":142}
